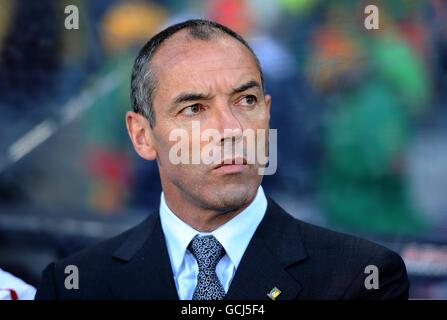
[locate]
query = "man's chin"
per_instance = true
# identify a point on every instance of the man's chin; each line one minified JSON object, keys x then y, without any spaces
{"x":233,"y":197}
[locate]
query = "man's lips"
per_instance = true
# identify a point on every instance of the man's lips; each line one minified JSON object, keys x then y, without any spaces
{"x":231,"y":165}
{"x":231,"y":162}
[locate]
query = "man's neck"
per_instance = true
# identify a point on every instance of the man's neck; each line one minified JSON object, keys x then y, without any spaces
{"x":201,"y":219}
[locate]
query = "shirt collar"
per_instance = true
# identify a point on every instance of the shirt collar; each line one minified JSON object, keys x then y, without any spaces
{"x":234,"y":235}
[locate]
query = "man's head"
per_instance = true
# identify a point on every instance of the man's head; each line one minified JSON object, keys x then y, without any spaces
{"x":144,"y":82}
{"x":198,"y":71}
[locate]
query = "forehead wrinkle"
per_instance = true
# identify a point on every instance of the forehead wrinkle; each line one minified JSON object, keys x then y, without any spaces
{"x":177,"y":57}
{"x":210,"y":87}
{"x":187,"y":74}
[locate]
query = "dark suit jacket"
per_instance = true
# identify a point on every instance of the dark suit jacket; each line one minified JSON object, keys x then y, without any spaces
{"x":302,"y":260}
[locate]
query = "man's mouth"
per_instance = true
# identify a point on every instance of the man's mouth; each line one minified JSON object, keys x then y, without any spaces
{"x":231,"y":165}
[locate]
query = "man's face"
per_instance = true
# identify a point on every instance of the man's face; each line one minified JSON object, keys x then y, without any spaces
{"x":217,"y":84}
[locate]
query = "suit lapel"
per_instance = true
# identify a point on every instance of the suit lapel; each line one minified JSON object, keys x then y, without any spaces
{"x":275,"y":246}
{"x":144,"y":269}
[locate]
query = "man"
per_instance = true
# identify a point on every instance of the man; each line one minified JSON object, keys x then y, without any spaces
{"x":216,"y":235}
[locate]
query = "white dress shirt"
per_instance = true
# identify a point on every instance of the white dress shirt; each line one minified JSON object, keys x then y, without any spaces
{"x":234,"y":236}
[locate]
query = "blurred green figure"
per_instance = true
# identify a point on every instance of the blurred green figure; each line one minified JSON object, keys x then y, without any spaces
{"x":377,"y":87}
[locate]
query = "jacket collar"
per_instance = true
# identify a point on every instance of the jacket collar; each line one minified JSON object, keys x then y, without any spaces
{"x":275,"y":246}
{"x":144,"y":270}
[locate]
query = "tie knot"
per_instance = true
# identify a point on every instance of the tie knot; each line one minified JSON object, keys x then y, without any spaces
{"x":207,"y":250}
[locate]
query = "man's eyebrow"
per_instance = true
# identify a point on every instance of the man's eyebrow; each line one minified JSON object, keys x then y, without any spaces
{"x":192,"y":96}
{"x":248,"y":85}
{"x":189,"y":96}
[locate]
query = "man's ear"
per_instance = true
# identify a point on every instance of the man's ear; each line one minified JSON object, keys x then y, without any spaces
{"x":268,"y":100}
{"x":141,"y":135}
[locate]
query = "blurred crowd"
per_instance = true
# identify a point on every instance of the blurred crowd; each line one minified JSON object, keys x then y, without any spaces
{"x":361,"y":114}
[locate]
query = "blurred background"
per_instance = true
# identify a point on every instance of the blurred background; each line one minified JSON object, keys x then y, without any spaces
{"x":361,"y":118}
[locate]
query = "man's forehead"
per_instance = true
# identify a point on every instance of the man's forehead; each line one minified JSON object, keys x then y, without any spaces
{"x":182,"y":53}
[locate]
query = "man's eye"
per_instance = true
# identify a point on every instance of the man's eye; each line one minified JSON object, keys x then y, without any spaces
{"x":249,"y":100}
{"x":192,"y":110}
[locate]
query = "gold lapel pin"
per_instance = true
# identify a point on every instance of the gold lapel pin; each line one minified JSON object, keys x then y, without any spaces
{"x":274,"y":293}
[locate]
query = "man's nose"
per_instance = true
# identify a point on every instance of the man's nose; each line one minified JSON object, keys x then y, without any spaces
{"x":227,"y":123}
